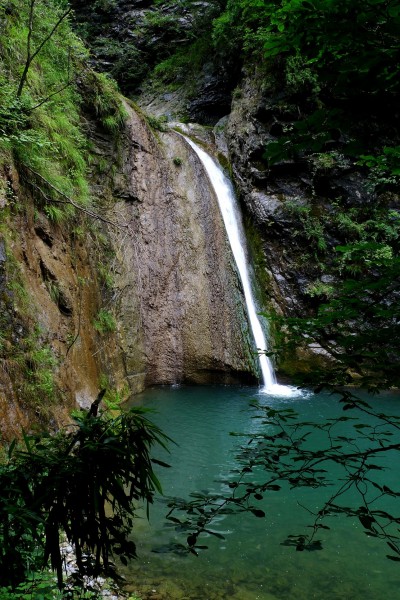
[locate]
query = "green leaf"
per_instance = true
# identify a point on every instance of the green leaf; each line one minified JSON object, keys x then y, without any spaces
{"x":11,"y":448}
{"x":366,"y":521}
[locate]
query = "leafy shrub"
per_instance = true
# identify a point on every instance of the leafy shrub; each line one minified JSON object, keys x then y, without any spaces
{"x":60,"y":484}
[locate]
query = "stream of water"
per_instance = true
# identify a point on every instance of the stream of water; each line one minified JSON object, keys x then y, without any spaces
{"x":234,"y":228}
{"x":251,"y":563}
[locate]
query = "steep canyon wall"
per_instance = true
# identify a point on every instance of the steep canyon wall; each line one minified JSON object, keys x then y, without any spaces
{"x":153,"y":299}
{"x":194,"y":321}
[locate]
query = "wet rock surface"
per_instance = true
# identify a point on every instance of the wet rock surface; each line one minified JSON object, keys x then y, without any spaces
{"x":193,"y":317}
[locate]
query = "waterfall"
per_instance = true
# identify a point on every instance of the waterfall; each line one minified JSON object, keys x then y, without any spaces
{"x":234,"y":228}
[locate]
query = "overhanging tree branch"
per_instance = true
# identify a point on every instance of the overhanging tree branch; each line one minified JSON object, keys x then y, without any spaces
{"x":286,"y":452}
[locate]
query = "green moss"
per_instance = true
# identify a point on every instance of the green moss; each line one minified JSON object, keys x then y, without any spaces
{"x":157,"y":123}
{"x":225,"y":163}
{"x":40,"y":365}
{"x":104,"y":322}
{"x":258,"y":260}
{"x":25,"y":350}
{"x":298,"y":364}
{"x":105,"y":275}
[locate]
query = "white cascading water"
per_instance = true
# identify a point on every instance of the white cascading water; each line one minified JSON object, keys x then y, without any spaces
{"x":233,"y":224}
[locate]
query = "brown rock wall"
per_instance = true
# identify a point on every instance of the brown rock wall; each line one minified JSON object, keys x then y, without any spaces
{"x":192,"y":314}
{"x":175,"y":294}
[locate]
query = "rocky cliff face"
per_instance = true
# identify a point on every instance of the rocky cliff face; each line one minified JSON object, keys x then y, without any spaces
{"x":152,"y":298}
{"x":253,"y":120}
{"x":52,"y":356}
{"x":300,"y":209}
{"x":192,"y":313}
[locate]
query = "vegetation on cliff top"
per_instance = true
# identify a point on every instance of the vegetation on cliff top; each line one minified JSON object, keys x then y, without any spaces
{"x":45,"y":82}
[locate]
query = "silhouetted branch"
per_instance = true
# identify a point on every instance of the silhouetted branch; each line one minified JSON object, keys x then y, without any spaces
{"x":287,"y":457}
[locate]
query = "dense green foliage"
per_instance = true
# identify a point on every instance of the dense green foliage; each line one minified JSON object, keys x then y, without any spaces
{"x":82,"y":483}
{"x":41,"y":61}
{"x":350,"y":46}
{"x":354,"y":311}
{"x":338,"y":59}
